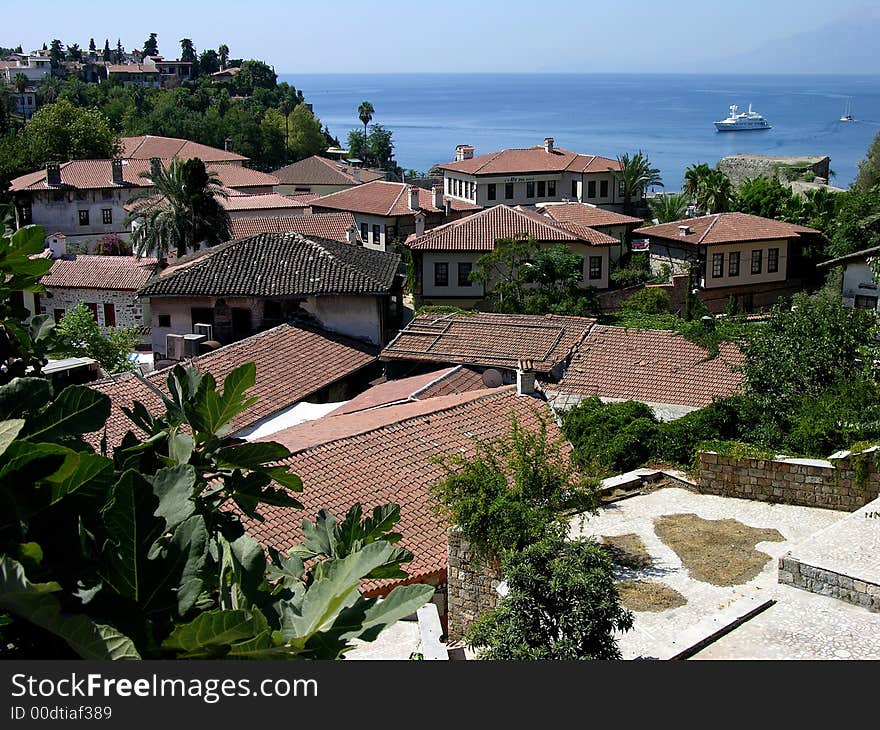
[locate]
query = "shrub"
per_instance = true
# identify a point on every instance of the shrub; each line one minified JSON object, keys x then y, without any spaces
{"x":650,"y":300}
{"x":512,"y":491}
{"x":562,"y":603}
{"x":82,"y":337}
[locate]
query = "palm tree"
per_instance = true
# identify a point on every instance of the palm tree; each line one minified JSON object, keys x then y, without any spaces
{"x":223,"y":52}
{"x":180,"y":212}
{"x":636,"y":174}
{"x":20,"y":81}
{"x":365,"y":114}
{"x":716,"y":193}
{"x":669,"y":207}
{"x":286,"y":107}
{"x":694,"y":178}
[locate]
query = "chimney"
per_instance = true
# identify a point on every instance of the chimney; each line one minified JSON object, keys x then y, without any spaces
{"x":413,"y":197}
{"x":447,"y":208}
{"x":116,"y":167}
{"x":155,"y":166}
{"x":351,"y":234}
{"x":53,"y":173}
{"x":227,"y":144}
{"x":548,"y":145}
{"x":57,"y":245}
{"x":525,"y":377}
{"x":437,"y":196}
{"x":684,"y":230}
{"x":356,"y":173}
{"x":464,"y":152}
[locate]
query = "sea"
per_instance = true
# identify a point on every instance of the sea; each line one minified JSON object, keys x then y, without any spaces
{"x":668,"y":117}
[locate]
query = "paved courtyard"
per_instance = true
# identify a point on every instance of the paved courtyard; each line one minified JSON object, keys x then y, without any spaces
{"x":664,"y":634}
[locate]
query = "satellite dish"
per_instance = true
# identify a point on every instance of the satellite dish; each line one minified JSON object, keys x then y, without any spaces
{"x":492,"y":378}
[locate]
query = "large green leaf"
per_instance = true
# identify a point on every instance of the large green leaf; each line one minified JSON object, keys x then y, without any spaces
{"x":215,"y":411}
{"x":34,"y":602}
{"x":27,"y":464}
{"x":400,"y":603}
{"x":8,"y":431}
{"x":131,"y":528}
{"x":251,"y":455}
{"x":77,"y":410}
{"x":22,"y":395}
{"x":92,"y":470}
{"x":177,"y":577}
{"x":214,"y":630}
{"x":285,"y":478}
{"x":174,"y":489}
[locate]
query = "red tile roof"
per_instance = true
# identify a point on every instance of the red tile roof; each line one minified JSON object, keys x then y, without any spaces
{"x":376,"y":462}
{"x":265,"y":201}
{"x":97,"y":174}
{"x":652,"y":366}
{"x":148,"y":145}
{"x":587,"y":215}
{"x":532,"y":159}
{"x":316,"y":170}
{"x":387,"y":199}
{"x":292,"y":363}
{"x":132,"y":68}
{"x":725,"y":228}
{"x":414,"y":388}
{"x":127,"y":273}
{"x":334,"y":226}
{"x":480,"y":231}
{"x":489,"y":340}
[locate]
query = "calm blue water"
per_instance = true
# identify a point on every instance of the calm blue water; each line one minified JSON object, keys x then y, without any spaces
{"x":667,"y":116}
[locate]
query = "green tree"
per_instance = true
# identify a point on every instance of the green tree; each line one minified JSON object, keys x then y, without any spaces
{"x":869,"y":168}
{"x":107,"y":55}
{"x":223,"y":55}
{"x":764,"y":197}
{"x":693,"y":180}
{"x":20,"y":82}
{"x":62,"y":131}
{"x":253,"y":75}
{"x":74,"y":52}
{"x":561,"y":604}
{"x":119,"y":53}
{"x":151,"y":46}
{"x":306,"y":137}
{"x":669,"y":207}
{"x":636,"y":175}
{"x":365,"y":114}
{"x":209,"y":61}
{"x":715,"y":195}
{"x":82,"y":337}
{"x":181,"y":212}
{"x":188,"y":51}
{"x":56,"y":54}
{"x":856,"y":222}
{"x":805,"y":348}
{"x":93,"y":49}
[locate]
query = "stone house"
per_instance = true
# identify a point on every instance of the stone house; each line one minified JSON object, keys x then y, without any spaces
{"x":540,"y":174}
{"x":107,"y":285}
{"x":859,"y":287}
{"x":249,"y":284}
{"x":386,"y":212}
{"x":444,"y":257}
{"x":321,"y":176}
{"x":747,"y":258}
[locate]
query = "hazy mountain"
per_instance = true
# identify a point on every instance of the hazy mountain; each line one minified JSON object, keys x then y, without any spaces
{"x":847,"y":46}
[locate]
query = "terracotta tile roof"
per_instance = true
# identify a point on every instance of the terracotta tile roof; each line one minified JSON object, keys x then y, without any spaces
{"x":725,"y":228}
{"x":97,"y":174}
{"x":99,"y":272}
{"x":489,"y":340}
{"x":148,"y":145}
{"x":292,"y":363}
{"x":652,"y":366}
{"x":414,"y":388}
{"x":277,"y":265}
{"x":132,"y":68}
{"x":334,"y":226}
{"x":587,"y":215}
{"x":480,"y":231}
{"x":385,"y":199}
{"x":394,"y":461}
{"x":266,"y":201}
{"x":532,"y":159}
{"x":316,"y":170}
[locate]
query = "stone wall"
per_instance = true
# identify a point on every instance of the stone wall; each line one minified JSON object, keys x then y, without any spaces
{"x":829,"y":583}
{"x":845,"y":482}
{"x":742,"y":167}
{"x":129,"y":309}
{"x":472,"y":586}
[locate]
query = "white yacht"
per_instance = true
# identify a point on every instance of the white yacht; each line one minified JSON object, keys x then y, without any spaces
{"x":847,"y":113}
{"x":742,"y":121}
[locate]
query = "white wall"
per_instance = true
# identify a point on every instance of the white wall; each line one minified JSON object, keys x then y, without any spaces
{"x":357,"y":317}
{"x":858,"y":281}
{"x":745,"y":264}
{"x":63,"y":215}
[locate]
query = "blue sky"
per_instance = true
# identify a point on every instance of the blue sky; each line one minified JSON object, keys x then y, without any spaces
{"x":445,"y":35}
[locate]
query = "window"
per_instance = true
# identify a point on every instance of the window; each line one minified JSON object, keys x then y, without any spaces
{"x":620,"y":187}
{"x":58,"y":314}
{"x":530,"y":190}
{"x":449,"y":186}
{"x":25,"y":214}
{"x":757,"y":255}
{"x":109,"y":315}
{"x":364,"y":230}
{"x":717,"y":265}
{"x":508,"y":191}
{"x":772,"y":260}
{"x":164,"y":320}
{"x":591,"y":189}
{"x":542,"y":189}
{"x":595,"y":267}
{"x":863,"y":302}
{"x":490,"y":191}
{"x":82,"y":195}
{"x":733,"y":263}
{"x":106,"y":216}
{"x":58,"y":196}
{"x":106,"y":194}
{"x":441,"y":273}
{"x":574,"y":188}
{"x":551,"y":188}
{"x":84,"y":217}
{"x":464,"y":273}
{"x":603,"y":188}
{"x":377,"y":233}
{"x":93,"y":308}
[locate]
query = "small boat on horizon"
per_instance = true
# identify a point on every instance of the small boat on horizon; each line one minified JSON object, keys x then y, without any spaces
{"x":742,"y":121}
{"x":847,"y":112}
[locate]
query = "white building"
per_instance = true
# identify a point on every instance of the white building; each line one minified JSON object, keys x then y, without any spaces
{"x":860,"y":287}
